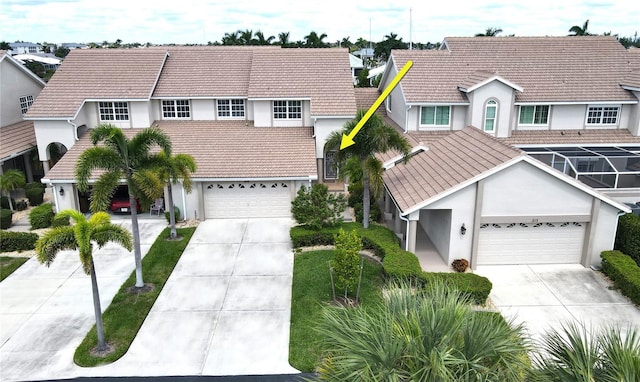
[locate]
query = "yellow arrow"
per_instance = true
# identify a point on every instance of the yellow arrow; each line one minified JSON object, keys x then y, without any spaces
{"x":347,"y":140}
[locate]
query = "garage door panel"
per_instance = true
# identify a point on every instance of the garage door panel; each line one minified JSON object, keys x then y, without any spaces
{"x":541,"y":243}
{"x":247,"y":199}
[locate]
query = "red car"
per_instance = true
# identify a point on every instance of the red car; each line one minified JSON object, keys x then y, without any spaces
{"x":120,"y":201}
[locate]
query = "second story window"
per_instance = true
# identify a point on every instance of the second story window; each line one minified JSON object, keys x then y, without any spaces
{"x":490,"y":113}
{"x":176,"y":109}
{"x":113,"y":111}
{"x":534,"y":115}
{"x":603,"y":115}
{"x":25,"y":103}
{"x":287,"y":109}
{"x":230,"y":108}
{"x":435,"y":115}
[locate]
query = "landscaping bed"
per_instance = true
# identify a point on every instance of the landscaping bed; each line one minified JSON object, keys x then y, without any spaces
{"x":9,"y":264}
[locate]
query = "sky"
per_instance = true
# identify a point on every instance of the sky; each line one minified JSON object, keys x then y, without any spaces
{"x":200,"y":21}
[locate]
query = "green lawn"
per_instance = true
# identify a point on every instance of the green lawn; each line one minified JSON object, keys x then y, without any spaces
{"x":124,"y":317}
{"x":9,"y":264}
{"x":311,"y":292}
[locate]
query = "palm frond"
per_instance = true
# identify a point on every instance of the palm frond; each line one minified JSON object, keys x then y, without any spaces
{"x":113,"y":233}
{"x":143,"y":141}
{"x":376,"y":183}
{"x":99,"y":218}
{"x":104,"y":189}
{"x":53,"y":241}
{"x":96,"y":158}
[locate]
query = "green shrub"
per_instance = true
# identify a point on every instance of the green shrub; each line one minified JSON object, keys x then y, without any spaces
{"x":346,"y":259}
{"x":317,"y":208}
{"x":35,"y":196}
{"x":356,"y":192}
{"x":31,"y":185}
{"x":17,"y":241}
{"x":476,"y":287}
{"x":6,"y":218}
{"x":176,"y":212}
{"x":628,"y":236}
{"x":60,"y":221}
{"x":4,"y":202}
{"x":624,"y":272}
{"x":41,"y":216}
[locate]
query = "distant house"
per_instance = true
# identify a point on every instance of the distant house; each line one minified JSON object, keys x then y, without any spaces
{"x":47,"y":60}
{"x":19,"y":87}
{"x":73,"y":45}
{"x":526,"y":148}
{"x":356,"y":67}
{"x":24,"y":48}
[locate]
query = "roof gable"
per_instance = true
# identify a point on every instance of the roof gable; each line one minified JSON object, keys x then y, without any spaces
{"x":549,"y":69}
{"x":482,"y":78}
{"x":5,"y":57}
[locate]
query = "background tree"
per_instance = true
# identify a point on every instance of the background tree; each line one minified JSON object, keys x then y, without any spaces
{"x":79,"y":237}
{"x":177,"y":168}
{"x":346,"y":43}
{"x":363,"y":81}
{"x":577,"y":30}
{"x":123,"y":158}
{"x":490,"y":32}
{"x":231,"y":39}
{"x":384,"y":47}
{"x":246,"y":37}
{"x":283,"y":39}
{"x":261,"y":40}
{"x":313,"y":40}
{"x":4,"y":45}
{"x":9,"y":181}
{"x":376,"y":137}
{"x":61,"y":52}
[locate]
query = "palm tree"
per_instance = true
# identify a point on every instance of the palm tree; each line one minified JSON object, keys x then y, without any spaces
{"x":79,"y":237}
{"x":11,"y":180}
{"x":375,"y":137}
{"x":419,"y":334}
{"x":345,"y":43}
{"x":574,"y":353}
{"x":490,"y":32}
{"x":231,"y":39}
{"x":123,"y":158}
{"x":261,"y":40}
{"x":246,"y":37}
{"x":283,"y":39}
{"x":178,"y":167}
{"x":576,"y":30}
{"x":312,"y":40}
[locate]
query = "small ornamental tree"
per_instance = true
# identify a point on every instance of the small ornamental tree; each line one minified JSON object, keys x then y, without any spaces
{"x":346,"y":261}
{"x":317,"y":208}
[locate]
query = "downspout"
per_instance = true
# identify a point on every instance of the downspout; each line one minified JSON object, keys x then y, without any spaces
{"x":75,"y":129}
{"x":184,"y":202}
{"x":55,"y":197}
{"x":406,"y":235}
{"x":406,"y":119}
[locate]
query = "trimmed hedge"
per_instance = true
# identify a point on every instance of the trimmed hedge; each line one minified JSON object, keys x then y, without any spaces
{"x":41,"y":216}
{"x":628,"y":236}
{"x":17,"y":241}
{"x":6,"y":218}
{"x":31,"y":185}
{"x":60,"y":221}
{"x":176,"y":212}
{"x":624,"y":272}
{"x":396,"y":262}
{"x":35,"y":195}
{"x":4,"y":202}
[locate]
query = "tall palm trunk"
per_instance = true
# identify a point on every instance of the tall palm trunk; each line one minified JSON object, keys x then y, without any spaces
{"x":137,"y":252}
{"x":102,"y":345}
{"x":172,"y":215}
{"x":366,"y":197}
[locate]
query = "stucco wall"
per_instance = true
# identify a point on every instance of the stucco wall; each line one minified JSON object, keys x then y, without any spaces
{"x":605,"y":233}
{"x":322,"y":128}
{"x":53,"y":131}
{"x":203,"y":109}
{"x":262,"y":113}
{"x":15,"y":84}
{"x":523,"y":189}
{"x":139,"y":115}
{"x":68,"y":200}
{"x":504,"y":95}
{"x":437,"y":225}
{"x":398,"y":111}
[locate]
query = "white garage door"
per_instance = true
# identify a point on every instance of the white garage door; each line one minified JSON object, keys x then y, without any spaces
{"x":247,"y":200}
{"x":540,"y":243}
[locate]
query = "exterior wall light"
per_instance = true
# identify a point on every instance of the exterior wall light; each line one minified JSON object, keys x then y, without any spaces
{"x":463,"y":229}
{"x":61,"y":191}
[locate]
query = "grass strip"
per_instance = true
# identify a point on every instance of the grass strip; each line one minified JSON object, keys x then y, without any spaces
{"x":126,"y":313}
{"x":9,"y":264}
{"x":311,"y":292}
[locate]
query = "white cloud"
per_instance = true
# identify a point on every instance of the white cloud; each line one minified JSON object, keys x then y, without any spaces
{"x":162,"y":21}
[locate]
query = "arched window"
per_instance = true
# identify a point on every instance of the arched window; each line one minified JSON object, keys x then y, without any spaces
{"x":490,"y":113}
{"x":330,"y":169}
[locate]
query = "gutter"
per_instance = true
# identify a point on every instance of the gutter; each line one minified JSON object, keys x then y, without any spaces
{"x":406,"y":235}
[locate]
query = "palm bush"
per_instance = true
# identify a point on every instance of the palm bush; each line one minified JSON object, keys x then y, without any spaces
{"x":576,"y":354}
{"x":415,"y":334}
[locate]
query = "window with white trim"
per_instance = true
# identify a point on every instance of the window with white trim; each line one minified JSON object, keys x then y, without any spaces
{"x":176,"y":109}
{"x":113,"y":111}
{"x":603,"y":115}
{"x":435,"y":115}
{"x":287,"y":109}
{"x":230,"y":108}
{"x":25,"y":103}
{"x":490,"y":113}
{"x":534,"y":115}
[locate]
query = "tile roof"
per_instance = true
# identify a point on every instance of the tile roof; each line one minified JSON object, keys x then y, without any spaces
{"x":16,"y":138}
{"x":571,"y":137}
{"x":365,"y":97}
{"x":205,"y":71}
{"x":449,"y":162}
{"x":225,"y":149}
{"x":322,"y":75}
{"x":549,"y":69}
{"x":117,"y":74}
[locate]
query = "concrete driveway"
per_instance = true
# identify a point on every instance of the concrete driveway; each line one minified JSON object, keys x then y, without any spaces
{"x":545,"y":296}
{"x":225,"y":309}
{"x":46,"y":312}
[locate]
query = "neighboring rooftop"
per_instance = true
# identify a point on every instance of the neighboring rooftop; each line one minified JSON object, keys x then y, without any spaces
{"x":549,"y":69}
{"x":572,"y":137}
{"x":16,"y":139}
{"x":448,"y":163}
{"x":224,"y":149}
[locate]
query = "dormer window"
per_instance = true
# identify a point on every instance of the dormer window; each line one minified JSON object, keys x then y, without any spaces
{"x":113,"y":111}
{"x":230,"y":108}
{"x":490,"y":113}
{"x":435,"y":116}
{"x":176,"y":109}
{"x":603,"y":115}
{"x":534,"y":115}
{"x":287,"y":109}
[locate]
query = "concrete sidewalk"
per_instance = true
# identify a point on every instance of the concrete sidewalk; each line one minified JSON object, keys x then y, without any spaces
{"x":545,"y":296}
